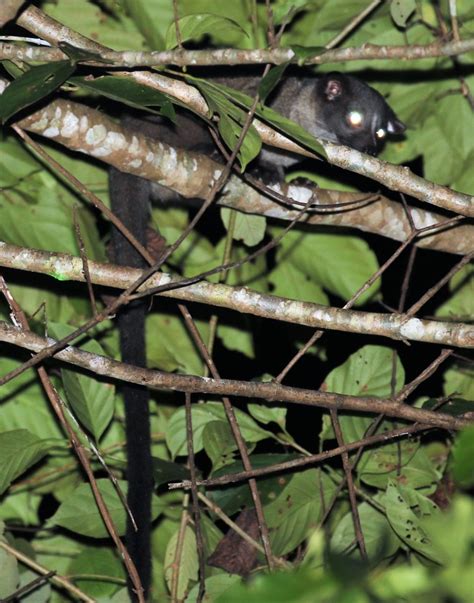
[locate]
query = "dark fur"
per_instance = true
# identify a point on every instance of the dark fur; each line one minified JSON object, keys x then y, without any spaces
{"x":130,"y":202}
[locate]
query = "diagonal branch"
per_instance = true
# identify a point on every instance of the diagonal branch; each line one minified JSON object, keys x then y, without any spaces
{"x":272,"y":392}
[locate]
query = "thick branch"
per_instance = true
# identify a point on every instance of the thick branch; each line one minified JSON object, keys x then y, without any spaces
{"x":399,"y":179}
{"x":242,"y":299}
{"x":191,"y":174}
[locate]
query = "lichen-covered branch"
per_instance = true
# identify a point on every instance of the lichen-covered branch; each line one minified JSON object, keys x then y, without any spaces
{"x":397,"y":178}
{"x":191,"y":174}
{"x":242,"y":299}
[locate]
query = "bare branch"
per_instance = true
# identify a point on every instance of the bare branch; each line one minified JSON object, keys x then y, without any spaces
{"x":271,"y":392}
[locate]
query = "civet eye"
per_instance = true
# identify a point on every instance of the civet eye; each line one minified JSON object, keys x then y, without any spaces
{"x":380,"y":133}
{"x":355,"y":119}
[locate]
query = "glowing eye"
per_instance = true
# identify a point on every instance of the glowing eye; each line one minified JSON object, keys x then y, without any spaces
{"x":355,"y":119}
{"x":380,"y":133}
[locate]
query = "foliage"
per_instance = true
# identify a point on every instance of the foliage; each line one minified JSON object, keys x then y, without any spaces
{"x":416,"y":548}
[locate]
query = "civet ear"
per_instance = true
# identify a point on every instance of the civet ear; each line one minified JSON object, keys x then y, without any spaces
{"x":395,"y":126}
{"x":333,"y":88}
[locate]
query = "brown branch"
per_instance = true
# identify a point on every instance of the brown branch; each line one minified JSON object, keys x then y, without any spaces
{"x":272,"y":392}
{"x":297,"y":464}
{"x":190,"y":175}
{"x":346,"y":464}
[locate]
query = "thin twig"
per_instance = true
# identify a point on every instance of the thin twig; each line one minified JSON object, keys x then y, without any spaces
{"x":349,"y":28}
{"x":433,"y":290}
{"x":85,"y":262}
{"x":195,"y":499}
{"x":346,"y":464}
{"x":297,"y":464}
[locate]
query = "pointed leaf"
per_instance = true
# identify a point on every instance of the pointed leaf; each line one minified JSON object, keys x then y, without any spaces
{"x":19,"y":449}
{"x":32,"y":86}
{"x":78,"y":512}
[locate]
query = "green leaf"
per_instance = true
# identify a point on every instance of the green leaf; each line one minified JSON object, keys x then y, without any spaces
{"x":464,"y":182}
{"x":92,"y":399}
{"x":215,"y":586}
{"x":126,"y":90}
{"x":238,"y":11}
{"x":339,"y":263}
{"x":17,"y":163}
{"x":19,"y":449}
{"x":282,"y":8}
{"x":79,"y":513}
{"x":109,"y":27}
{"x":380,"y":541}
{"x":405,"y":462}
{"x":77,"y":54}
{"x":454,"y":118}
{"x":238,"y":339}
{"x":39,"y":214}
{"x":233,"y":498}
{"x":9,"y":573}
{"x":230,"y":130}
{"x":401,"y":11}
{"x":304,"y":52}
{"x":461,"y":303}
{"x":248,"y":274}
{"x":192,"y":27}
{"x":171,"y":348}
{"x":41,"y":594}
{"x":268,"y":414}
{"x":289,"y":281}
{"x":291,"y":587}
{"x":21,"y":507}
{"x":268,"y":82}
{"x":101,"y":562}
{"x":218,"y":443}
{"x":151,"y":19}
{"x":463,"y":458}
{"x":405,"y":509}
{"x":296,"y":512}
{"x":24,"y":405}
{"x":452,"y":534}
{"x":403,"y":583}
{"x":367,"y":372}
{"x":52,"y":544}
{"x":167,"y":471}
{"x":247,"y":228}
{"x":32,"y":86}
{"x":202,"y":414}
{"x":283,"y":124}
{"x":459,"y":381}
{"x":186,"y":564}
